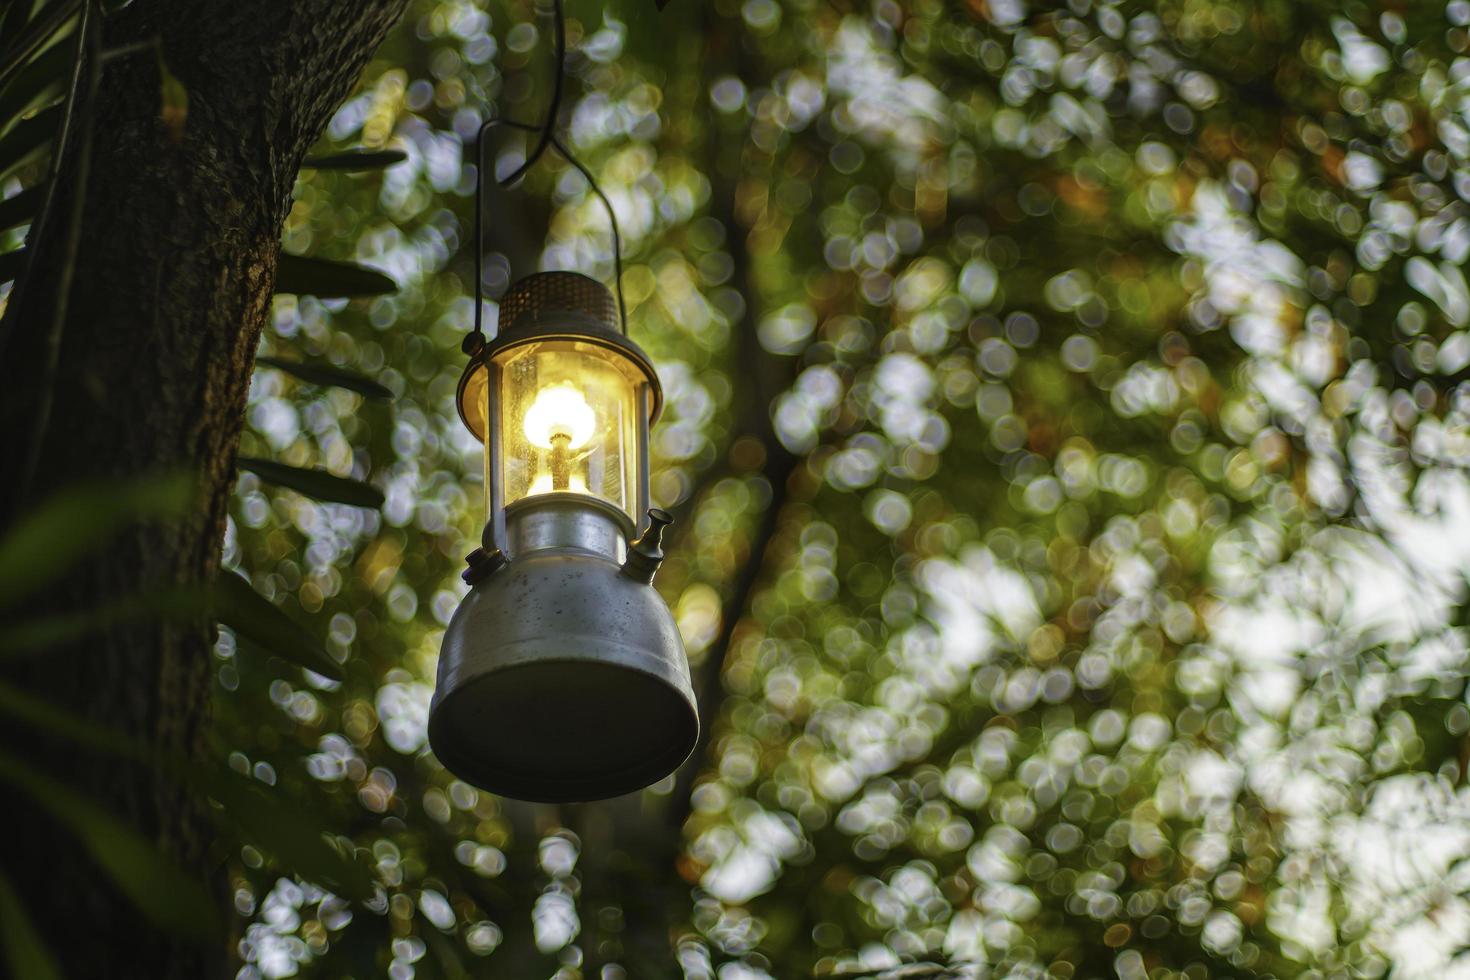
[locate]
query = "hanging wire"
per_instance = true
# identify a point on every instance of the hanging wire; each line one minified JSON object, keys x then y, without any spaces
{"x":547,"y":138}
{"x":553,"y":108}
{"x":612,"y":219}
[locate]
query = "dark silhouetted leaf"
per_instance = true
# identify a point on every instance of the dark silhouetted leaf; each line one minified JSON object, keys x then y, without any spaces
{"x":167,"y":896}
{"x":293,"y":836}
{"x":27,"y":139}
{"x":25,"y":954}
{"x":447,"y":953}
{"x":330,"y":279}
{"x":252,"y":615}
{"x":321,"y":373}
{"x":39,"y":82}
{"x":353,"y":950}
{"x":354,"y":161}
{"x":316,"y":484}
{"x":20,"y":209}
{"x":73,"y":523}
{"x":12,"y":264}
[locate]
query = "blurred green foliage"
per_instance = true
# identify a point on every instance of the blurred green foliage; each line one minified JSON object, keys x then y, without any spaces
{"x":1108,"y":613}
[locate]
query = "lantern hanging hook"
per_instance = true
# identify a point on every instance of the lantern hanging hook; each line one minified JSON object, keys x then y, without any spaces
{"x":547,"y":138}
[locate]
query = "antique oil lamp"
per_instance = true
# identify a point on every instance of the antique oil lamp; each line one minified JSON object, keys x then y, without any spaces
{"x":562,"y":675}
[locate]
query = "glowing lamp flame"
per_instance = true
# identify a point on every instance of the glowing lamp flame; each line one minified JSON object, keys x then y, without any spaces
{"x":560,"y":410}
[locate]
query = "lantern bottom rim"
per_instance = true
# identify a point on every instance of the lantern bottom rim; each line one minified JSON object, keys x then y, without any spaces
{"x":565,"y":729}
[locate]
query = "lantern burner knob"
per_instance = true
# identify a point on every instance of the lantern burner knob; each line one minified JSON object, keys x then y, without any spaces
{"x":647,"y":553}
{"x":481,"y":563}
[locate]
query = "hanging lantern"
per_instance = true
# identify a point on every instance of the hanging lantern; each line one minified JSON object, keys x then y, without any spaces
{"x":562,"y":675}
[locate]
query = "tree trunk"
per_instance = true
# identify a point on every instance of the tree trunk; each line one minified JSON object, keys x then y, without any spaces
{"x":173,"y":279}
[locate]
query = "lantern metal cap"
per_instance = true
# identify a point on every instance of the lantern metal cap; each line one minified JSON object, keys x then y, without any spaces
{"x":565,"y":297}
{"x":553,"y":306}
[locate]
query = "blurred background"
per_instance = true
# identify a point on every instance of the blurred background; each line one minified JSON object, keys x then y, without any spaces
{"x":1068,"y":428}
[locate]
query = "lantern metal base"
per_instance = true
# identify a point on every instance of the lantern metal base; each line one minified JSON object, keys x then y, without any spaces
{"x":561,"y":680}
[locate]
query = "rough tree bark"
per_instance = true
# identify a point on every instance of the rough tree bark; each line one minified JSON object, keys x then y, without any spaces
{"x":173,"y":282}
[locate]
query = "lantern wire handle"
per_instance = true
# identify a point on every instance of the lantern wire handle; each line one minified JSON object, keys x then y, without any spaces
{"x":547,"y":138}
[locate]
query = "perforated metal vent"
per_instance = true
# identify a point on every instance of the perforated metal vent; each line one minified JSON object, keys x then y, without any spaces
{"x":543,"y":296}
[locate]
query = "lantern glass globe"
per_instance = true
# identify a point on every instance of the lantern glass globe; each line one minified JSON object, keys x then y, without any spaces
{"x":568,"y":423}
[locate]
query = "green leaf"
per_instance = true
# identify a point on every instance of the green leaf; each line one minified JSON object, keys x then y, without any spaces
{"x":28,"y":138}
{"x":330,"y":279}
{"x":253,"y":616}
{"x":320,"y":372}
{"x":25,"y":954}
{"x":314,"y":483}
{"x":293,"y":836}
{"x":356,"y":161}
{"x":42,"y":715}
{"x":173,"y":102}
{"x":169,"y":897}
{"x":74,"y":523}
{"x":179,"y":603}
{"x":20,"y":209}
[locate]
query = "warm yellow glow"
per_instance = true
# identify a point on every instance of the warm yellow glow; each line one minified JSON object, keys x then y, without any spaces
{"x":568,"y":423}
{"x":545,"y":483}
{"x":560,"y":410}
